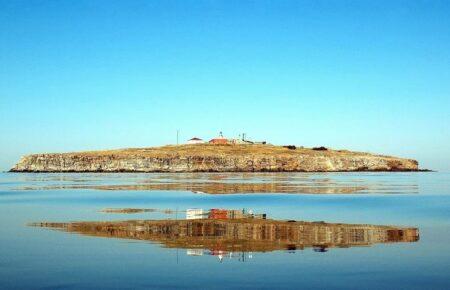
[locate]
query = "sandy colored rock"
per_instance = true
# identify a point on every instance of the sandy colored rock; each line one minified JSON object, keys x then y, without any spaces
{"x":213,"y":158}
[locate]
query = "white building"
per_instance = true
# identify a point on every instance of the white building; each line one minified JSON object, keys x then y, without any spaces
{"x":194,"y":213}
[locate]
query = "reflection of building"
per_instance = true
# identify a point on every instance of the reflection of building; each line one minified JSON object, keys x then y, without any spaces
{"x":221,"y":214}
{"x":194,"y":213}
{"x":218,"y":214}
{"x":236,"y":214}
{"x":221,"y":254}
{"x":243,"y":235}
{"x":194,"y":252}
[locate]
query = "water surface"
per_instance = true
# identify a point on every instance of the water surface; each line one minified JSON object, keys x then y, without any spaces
{"x":328,"y":230}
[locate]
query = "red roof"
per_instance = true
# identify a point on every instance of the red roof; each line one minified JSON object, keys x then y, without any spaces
{"x":219,"y":141}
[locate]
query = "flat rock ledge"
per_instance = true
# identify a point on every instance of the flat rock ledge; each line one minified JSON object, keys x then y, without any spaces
{"x":213,"y":158}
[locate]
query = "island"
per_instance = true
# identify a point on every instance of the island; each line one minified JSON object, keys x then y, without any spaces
{"x":207,"y":157}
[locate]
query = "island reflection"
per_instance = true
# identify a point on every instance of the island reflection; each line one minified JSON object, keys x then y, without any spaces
{"x":232,"y":183}
{"x":232,"y":233}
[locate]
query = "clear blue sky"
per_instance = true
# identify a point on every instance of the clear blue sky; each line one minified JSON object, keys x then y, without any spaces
{"x":363,"y":75}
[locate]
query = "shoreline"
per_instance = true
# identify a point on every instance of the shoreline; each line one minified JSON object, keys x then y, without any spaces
{"x":218,"y":172}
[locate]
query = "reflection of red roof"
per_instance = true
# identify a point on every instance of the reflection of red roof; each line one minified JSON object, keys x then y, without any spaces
{"x":218,"y":214}
{"x":217,"y":251}
{"x":219,"y":141}
{"x":196,"y":139}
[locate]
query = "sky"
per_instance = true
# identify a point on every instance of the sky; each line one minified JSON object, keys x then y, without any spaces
{"x":368,"y":76}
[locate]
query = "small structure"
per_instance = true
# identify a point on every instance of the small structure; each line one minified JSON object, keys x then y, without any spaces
{"x":194,"y":252}
{"x":195,"y":140}
{"x":219,"y":140}
{"x":194,"y":214}
{"x":244,"y":141}
{"x":235,"y":214}
{"x":241,"y":142}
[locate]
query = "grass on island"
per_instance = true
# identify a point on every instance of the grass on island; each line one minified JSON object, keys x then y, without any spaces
{"x":216,"y":150}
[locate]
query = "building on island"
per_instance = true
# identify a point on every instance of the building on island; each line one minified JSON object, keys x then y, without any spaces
{"x":244,"y":141}
{"x":195,"y":140}
{"x":219,"y":140}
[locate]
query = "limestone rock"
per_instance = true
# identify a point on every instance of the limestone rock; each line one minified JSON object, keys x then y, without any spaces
{"x":213,"y":158}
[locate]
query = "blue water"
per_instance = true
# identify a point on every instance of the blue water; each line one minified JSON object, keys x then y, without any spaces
{"x":38,"y":258}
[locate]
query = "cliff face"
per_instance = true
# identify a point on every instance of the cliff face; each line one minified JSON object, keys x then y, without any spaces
{"x":212,"y":158}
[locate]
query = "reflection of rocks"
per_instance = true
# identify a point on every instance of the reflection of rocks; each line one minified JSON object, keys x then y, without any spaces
{"x":227,"y":188}
{"x":227,"y":183}
{"x":242,"y":235}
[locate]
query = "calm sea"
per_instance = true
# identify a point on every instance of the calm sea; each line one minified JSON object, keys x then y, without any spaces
{"x":222,"y":231}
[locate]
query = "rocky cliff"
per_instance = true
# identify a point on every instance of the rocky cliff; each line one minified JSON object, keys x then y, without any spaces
{"x":213,"y":158}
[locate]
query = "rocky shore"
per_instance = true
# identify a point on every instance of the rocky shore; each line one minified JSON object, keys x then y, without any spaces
{"x":213,"y":158}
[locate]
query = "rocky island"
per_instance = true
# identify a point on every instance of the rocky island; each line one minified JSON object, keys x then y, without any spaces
{"x":214,"y":158}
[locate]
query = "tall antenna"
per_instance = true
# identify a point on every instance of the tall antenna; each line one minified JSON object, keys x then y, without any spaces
{"x":178,"y":132}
